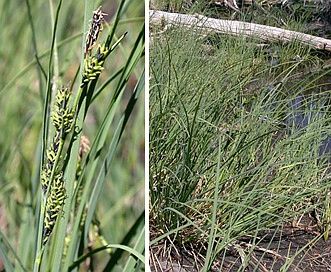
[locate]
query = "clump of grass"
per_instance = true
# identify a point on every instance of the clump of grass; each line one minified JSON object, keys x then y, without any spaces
{"x":225,"y":164}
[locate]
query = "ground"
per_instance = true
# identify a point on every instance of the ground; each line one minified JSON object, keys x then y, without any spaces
{"x":303,"y":242}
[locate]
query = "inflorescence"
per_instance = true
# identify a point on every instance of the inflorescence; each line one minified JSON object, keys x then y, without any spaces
{"x":51,"y":177}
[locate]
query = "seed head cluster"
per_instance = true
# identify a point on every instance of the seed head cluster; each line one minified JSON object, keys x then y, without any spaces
{"x":51,"y":177}
{"x":96,"y":26}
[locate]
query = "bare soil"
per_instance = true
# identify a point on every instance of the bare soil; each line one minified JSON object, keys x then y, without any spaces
{"x":303,"y":243}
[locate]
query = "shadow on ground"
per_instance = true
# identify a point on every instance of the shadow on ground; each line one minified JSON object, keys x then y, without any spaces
{"x":291,"y":248}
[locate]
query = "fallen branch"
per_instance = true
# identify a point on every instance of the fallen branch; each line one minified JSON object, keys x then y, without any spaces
{"x":263,"y":32}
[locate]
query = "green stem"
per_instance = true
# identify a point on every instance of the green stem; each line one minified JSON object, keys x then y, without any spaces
{"x":55,"y":52}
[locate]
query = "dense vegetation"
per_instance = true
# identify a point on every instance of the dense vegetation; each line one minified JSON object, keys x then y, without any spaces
{"x":239,"y":147}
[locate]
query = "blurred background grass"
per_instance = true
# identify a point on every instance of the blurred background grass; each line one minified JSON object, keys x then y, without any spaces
{"x":21,"y":97}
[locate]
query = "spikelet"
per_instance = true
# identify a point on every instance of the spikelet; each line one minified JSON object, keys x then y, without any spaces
{"x":54,"y":205}
{"x":93,"y":65}
{"x":62,"y":116}
{"x":96,"y":26}
{"x":53,"y":187}
{"x":62,"y":120}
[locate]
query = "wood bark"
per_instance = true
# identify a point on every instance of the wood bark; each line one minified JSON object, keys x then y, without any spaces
{"x":263,"y":32}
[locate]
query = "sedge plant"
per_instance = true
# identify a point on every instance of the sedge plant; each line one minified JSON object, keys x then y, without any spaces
{"x":237,"y":149}
{"x":69,"y":191}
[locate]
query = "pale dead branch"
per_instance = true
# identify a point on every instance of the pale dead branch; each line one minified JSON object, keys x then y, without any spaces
{"x":263,"y":32}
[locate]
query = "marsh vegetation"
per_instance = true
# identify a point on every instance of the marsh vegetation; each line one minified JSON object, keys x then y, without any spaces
{"x":239,"y":152}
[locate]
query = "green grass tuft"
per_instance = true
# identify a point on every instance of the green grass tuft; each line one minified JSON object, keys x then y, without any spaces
{"x":227,"y":159}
